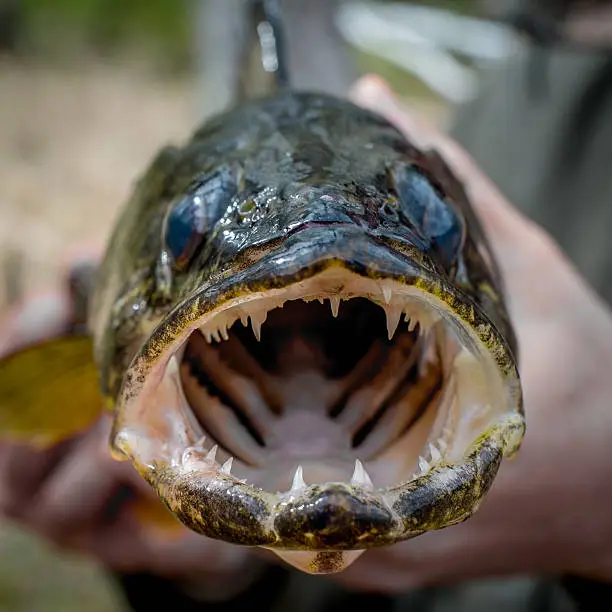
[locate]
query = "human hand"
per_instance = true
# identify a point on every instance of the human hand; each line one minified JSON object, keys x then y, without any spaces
{"x":77,"y":497}
{"x":550,"y":510}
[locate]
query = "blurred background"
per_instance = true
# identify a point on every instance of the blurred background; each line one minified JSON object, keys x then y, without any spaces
{"x":91,"y":89}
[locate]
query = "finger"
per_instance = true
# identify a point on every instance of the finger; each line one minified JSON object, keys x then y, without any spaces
{"x":128,"y":545}
{"x":76,"y":496}
{"x":45,"y":315}
{"x":23,"y":470}
{"x":39,"y":318}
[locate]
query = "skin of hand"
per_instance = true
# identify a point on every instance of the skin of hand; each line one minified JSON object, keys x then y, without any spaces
{"x":74,"y":493}
{"x":549,"y":511}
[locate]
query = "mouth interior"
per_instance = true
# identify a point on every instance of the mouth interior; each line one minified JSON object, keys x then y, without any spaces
{"x":337,"y":379}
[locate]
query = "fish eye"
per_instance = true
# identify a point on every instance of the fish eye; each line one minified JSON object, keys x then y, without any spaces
{"x":433,"y":217}
{"x":193,"y":217}
{"x":185,"y":230}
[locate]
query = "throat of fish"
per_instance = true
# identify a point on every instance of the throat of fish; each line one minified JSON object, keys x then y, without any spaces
{"x":316,"y":391}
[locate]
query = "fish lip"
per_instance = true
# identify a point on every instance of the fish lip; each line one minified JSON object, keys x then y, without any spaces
{"x":337,"y":516}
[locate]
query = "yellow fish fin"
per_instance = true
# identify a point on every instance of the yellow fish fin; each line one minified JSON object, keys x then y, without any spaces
{"x":154,"y":514}
{"x":49,"y":391}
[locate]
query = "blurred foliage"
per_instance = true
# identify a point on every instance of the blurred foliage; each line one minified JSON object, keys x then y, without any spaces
{"x":54,"y":28}
{"x":458,"y":6}
{"x":403,"y":83}
{"x":61,"y":27}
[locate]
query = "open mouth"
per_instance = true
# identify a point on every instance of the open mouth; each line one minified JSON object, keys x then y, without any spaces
{"x":321,"y":388}
{"x":365,"y":386}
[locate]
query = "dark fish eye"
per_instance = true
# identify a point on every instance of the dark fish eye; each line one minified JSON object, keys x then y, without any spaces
{"x":192,"y":218}
{"x":185,"y":229}
{"x":428,"y":213}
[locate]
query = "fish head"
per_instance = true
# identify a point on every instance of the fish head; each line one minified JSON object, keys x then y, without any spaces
{"x":304,"y":337}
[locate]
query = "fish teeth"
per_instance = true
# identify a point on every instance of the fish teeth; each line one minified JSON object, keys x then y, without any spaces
{"x":412,"y":323}
{"x":436,"y":457}
{"x":423,"y":465}
{"x":334,"y":302}
{"x":387,"y":292}
{"x":427,"y":321}
{"x":200,"y":443}
{"x":212,"y":453}
{"x":393,"y":317}
{"x":298,"y":479}
{"x":216,"y":336}
{"x":360,"y":477}
{"x":223,"y":330}
{"x":207,"y":335}
{"x":244,"y":318}
{"x":257,"y":320}
{"x":226,"y":468}
{"x":187,"y":454}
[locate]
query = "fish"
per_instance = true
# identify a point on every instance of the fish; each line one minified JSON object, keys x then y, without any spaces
{"x":300,"y":330}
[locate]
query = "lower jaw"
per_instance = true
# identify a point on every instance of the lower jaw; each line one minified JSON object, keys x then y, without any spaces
{"x":336,"y":517}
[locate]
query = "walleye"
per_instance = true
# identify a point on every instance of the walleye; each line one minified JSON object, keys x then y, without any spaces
{"x":299,"y":327}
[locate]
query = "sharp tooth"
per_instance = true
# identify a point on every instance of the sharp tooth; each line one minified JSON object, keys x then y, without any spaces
{"x":360,"y":477}
{"x":387,"y":292}
{"x":335,"y":304}
{"x":412,"y":323}
{"x":423,"y":465}
{"x":244,"y":318}
{"x":216,"y":335}
{"x":298,"y":479}
{"x":257,"y":320}
{"x":393,"y":317}
{"x":200,"y":442}
{"x":435,"y":454}
{"x":186,"y":453}
{"x":427,"y":321}
{"x":321,"y":300}
{"x":256,"y":329}
{"x":223,"y":331}
{"x":226,"y":468}
{"x":207,"y":335}
{"x":212,"y":453}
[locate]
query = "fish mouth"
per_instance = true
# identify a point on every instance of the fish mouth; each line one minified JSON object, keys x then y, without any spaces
{"x":335,"y":410}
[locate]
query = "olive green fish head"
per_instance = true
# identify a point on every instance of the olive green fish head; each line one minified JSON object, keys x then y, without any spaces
{"x":300,"y":326}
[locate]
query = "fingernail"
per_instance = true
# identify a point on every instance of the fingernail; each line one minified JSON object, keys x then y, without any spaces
{"x":373,"y":90}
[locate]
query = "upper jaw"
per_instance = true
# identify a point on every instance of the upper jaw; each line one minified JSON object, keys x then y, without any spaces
{"x":338,"y":516}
